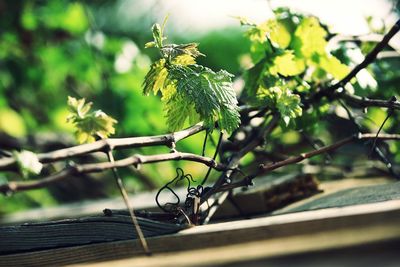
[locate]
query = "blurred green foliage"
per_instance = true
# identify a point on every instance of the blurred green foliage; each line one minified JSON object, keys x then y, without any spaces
{"x":50,"y":50}
{"x":53,"y":49}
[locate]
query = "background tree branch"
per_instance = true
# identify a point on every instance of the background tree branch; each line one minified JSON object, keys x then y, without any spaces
{"x":104,"y":145}
{"x":369,"y":58}
{"x":263,"y":169}
{"x":13,"y":187}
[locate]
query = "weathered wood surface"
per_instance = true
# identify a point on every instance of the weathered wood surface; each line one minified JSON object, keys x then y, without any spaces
{"x":73,"y":232}
{"x":261,"y":237}
{"x":346,"y":193}
{"x":269,"y":193}
{"x":143,"y":201}
{"x":353,"y":196}
{"x":344,"y":249}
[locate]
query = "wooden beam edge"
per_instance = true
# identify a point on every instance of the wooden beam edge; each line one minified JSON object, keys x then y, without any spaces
{"x":385,"y":215}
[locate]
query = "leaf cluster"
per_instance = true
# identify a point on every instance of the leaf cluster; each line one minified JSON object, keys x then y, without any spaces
{"x":290,"y":56}
{"x":89,"y":124}
{"x":190,"y":91}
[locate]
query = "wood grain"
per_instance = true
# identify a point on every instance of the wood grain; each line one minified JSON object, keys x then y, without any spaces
{"x":74,"y":232}
{"x":384,"y":217}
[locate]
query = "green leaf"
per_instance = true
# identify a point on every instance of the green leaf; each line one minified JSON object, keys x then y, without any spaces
{"x":333,"y":66}
{"x":272,"y":29}
{"x":287,"y":64}
{"x":78,"y":107}
{"x":282,"y":99}
{"x":184,"y":60}
{"x":28,"y":163}
{"x":173,"y":50}
{"x":253,"y":77}
{"x":75,"y":19}
{"x":157,"y":35}
{"x":309,"y":38}
{"x":155,"y":78}
{"x":89,"y":124}
{"x":12,"y":122}
{"x":244,"y":21}
{"x":190,"y":91}
{"x":150,"y":44}
{"x":288,"y":105}
{"x":278,"y":34}
{"x":177,"y":111}
{"x":211,"y":93}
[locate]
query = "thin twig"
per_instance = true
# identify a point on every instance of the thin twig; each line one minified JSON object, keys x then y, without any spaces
{"x":233,"y":164}
{"x":296,"y":159}
{"x":214,"y":157}
{"x":372,"y":38}
{"x":13,"y":187}
{"x":104,"y":144}
{"x":364,"y":102}
{"x":128,"y":205}
{"x":203,"y":150}
{"x":369,"y":58}
{"x":379,"y":130}
{"x":234,"y":161}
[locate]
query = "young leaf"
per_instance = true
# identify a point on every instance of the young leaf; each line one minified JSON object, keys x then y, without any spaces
{"x":211,"y":93}
{"x":28,"y":163}
{"x":282,"y":99}
{"x":172,"y":50}
{"x":89,"y":124}
{"x":310,"y":38}
{"x":177,"y":110}
{"x":154,"y":78}
{"x":190,"y":91}
{"x":287,"y":64}
{"x":272,"y":29}
{"x":333,"y":66}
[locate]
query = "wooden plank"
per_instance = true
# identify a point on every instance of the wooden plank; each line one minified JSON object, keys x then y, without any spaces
{"x":145,"y":201}
{"x":350,"y":247}
{"x":347,"y":193}
{"x":73,"y":232}
{"x":364,"y":223}
{"x":256,"y":200}
{"x":268,"y":194}
{"x":142,"y":201}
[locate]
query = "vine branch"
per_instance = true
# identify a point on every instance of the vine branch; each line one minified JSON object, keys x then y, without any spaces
{"x":13,"y":187}
{"x":369,"y":58}
{"x":296,"y":159}
{"x":364,"y":102}
{"x":104,"y":145}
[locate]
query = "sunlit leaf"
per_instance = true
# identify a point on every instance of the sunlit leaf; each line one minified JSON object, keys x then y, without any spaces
{"x":155,"y":78}
{"x":190,"y":91}
{"x":172,"y":51}
{"x":333,"y":66}
{"x":11,"y":122}
{"x":28,"y":163}
{"x":272,"y":29}
{"x":89,"y":124}
{"x":278,"y":33}
{"x":184,"y":60}
{"x":310,"y":38}
{"x":244,"y":21}
{"x":287,"y":64}
{"x":149,"y":44}
{"x":177,"y":111}
{"x":282,"y":99}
